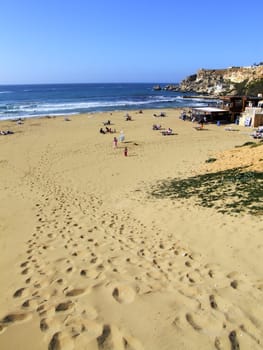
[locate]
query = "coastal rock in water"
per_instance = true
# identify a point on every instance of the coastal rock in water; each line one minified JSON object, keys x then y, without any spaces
{"x":171,"y":87}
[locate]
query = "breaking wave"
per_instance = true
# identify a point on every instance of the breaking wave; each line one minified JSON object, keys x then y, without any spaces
{"x":64,"y":99}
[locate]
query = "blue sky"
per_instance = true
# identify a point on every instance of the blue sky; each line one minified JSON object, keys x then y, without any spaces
{"x":62,"y":41}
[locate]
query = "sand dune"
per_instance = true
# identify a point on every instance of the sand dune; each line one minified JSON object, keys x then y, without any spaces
{"x":91,"y":261}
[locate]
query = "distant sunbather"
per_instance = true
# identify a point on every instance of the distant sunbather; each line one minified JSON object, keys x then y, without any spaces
{"x":107,"y":122}
{"x":157,"y":127}
{"x":169,"y":131}
{"x":7,"y":132}
{"x":162,"y":114}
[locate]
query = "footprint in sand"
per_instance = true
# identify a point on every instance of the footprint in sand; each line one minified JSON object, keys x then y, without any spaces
{"x":123,"y":294}
{"x":234,"y":284}
{"x":75,"y":292}
{"x":69,"y":269}
{"x":191,"y":321}
{"x":64,"y":306}
{"x":19,"y":293}
{"x":30,"y":303}
{"x":213,"y":303}
{"x":28,"y":280}
{"x":25,"y":271}
{"x":44,"y":325}
{"x":112,"y":338}
{"x":14,"y":317}
{"x":79,"y":327}
{"x":24,"y":264}
{"x":60,"y":341}
{"x":233,"y":340}
{"x":221,"y":343}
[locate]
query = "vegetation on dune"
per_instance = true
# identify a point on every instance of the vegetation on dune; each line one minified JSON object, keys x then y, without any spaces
{"x":252,"y":144}
{"x":231,"y":191}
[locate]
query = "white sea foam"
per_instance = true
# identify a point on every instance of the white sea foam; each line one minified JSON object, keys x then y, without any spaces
{"x":53,"y":109}
{"x":49,"y":107}
{"x":34,"y":101}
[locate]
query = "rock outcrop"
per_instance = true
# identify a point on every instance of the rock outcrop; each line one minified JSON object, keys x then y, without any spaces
{"x":233,"y":80}
{"x":169,"y":87}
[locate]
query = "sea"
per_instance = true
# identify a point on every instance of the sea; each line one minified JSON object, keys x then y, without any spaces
{"x":27,"y":101}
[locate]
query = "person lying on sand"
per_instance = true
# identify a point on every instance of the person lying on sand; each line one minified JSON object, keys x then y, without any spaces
{"x":157,"y":127}
{"x":7,"y":132}
{"x":108,"y":122}
{"x":169,"y":131}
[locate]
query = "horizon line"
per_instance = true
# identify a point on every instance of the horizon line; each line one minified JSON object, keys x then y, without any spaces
{"x":76,"y":83}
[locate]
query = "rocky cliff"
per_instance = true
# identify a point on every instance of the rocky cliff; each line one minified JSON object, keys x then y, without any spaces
{"x":231,"y":81}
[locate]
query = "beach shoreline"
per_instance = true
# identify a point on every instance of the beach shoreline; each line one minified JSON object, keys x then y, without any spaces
{"x":91,"y":260}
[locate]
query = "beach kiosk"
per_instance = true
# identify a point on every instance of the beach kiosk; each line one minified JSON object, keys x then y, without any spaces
{"x":237,"y":104}
{"x":211,"y":115}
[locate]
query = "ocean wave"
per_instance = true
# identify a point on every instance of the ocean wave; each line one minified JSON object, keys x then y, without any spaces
{"x":66,"y":106}
{"x":52,"y":100}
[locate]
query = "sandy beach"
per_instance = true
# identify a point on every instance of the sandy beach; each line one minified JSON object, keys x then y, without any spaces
{"x":90,"y":260}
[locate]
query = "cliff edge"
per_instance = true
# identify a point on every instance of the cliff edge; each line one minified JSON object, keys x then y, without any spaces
{"x":229,"y":81}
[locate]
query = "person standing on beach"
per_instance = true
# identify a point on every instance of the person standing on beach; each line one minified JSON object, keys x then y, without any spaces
{"x":115,"y":142}
{"x":121,"y":137}
{"x":125,"y":152}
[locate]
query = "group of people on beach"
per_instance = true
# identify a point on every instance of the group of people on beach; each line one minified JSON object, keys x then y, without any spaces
{"x":108,"y":130}
{"x":121,"y":137}
{"x":115,"y":145}
{"x":164,"y":132}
